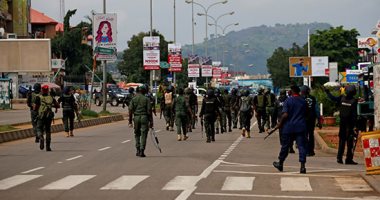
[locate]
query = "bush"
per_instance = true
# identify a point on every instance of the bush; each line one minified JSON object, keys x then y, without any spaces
{"x":89,"y":113}
{"x":105,"y":113}
{"x":329,"y":106}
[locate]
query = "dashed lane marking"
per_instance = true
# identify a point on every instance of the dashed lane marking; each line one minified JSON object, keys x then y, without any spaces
{"x":32,"y":170}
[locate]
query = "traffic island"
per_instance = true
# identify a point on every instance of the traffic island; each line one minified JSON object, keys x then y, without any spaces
{"x":26,"y":131}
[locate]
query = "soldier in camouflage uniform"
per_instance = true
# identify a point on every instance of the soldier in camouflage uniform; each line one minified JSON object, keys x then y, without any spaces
{"x":221,"y":116}
{"x":271,"y":115}
{"x":259,"y":102}
{"x":227,"y":110}
{"x":235,"y":107}
{"x":181,"y":109}
{"x":140,"y":111}
{"x":31,"y":101}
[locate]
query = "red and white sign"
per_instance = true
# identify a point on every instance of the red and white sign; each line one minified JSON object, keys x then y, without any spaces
{"x":151,"y":53}
{"x":175,"y":57}
{"x":206,"y":70}
{"x":371,"y":150}
{"x":193,"y":70}
{"x":216,"y":72}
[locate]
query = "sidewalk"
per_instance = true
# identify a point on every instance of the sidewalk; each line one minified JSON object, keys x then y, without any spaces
{"x":327,"y":138}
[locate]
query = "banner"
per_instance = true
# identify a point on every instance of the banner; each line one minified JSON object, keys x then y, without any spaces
{"x":368,"y":43}
{"x":216,"y":72}
{"x":320,"y":65}
{"x":299,"y":66}
{"x":105,"y":36}
{"x":175,"y":57}
{"x":206,"y":70}
{"x":193,"y":70}
{"x":151,"y":46}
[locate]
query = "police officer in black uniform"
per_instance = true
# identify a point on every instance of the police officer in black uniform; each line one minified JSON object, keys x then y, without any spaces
{"x":69,"y":107}
{"x":348,"y":119}
{"x":210,"y":111}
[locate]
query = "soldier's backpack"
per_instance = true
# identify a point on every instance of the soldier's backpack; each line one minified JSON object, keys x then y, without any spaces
{"x":168,"y":98}
{"x":210,"y":106}
{"x":260,"y":101}
{"x":45,"y":110}
{"x":245,"y":104}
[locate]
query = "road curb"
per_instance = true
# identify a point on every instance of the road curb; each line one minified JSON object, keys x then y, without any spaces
{"x":324,"y":147}
{"x":25,"y":133}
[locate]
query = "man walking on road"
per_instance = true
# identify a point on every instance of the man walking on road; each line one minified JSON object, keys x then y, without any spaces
{"x":235,"y":102}
{"x":181,"y":108}
{"x":293,"y":125}
{"x":209,"y":110}
{"x":227,"y":110}
{"x":246,"y":113}
{"x":167,"y":106}
{"x":259,"y":102}
{"x":69,"y":108}
{"x":31,"y":102}
{"x":140,"y":112}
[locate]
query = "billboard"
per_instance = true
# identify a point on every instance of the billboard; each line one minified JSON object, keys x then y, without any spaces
{"x":300,"y":66}
{"x":216,"y":72}
{"x":151,"y":46}
{"x":206,"y":70}
{"x":368,"y":43}
{"x":20,"y":55}
{"x":193,"y":70}
{"x":175,"y":57}
{"x":105,"y":36}
{"x":320,"y":65}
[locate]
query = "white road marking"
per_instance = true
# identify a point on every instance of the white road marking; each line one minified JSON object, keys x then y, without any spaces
{"x":295,"y":184}
{"x":124,"y":183}
{"x":280,"y":173}
{"x":68,"y":182}
{"x":16,"y":180}
{"x":60,"y":162}
{"x":125,"y":141}
{"x":32,"y":170}
{"x":157,"y":131}
{"x":353,"y":184}
{"x":238,"y":183}
{"x":286,"y":196}
{"x":182,"y":183}
{"x":105,"y":148}
{"x":73,"y":158}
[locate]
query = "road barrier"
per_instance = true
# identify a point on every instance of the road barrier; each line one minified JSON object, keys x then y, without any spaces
{"x":371,"y":151}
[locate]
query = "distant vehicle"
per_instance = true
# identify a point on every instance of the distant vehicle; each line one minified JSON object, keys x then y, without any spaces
{"x":115,"y":96}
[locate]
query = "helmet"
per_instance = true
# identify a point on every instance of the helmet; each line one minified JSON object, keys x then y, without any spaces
{"x":246,"y":93}
{"x":45,"y":89}
{"x":260,"y":90}
{"x":169,"y":88}
{"x":234,"y":91}
{"x":37,"y":88}
{"x":283,"y":93}
{"x":187,"y":91}
{"x":131,"y":90}
{"x":180,"y":91}
{"x":217,"y":91}
{"x":305,"y":89}
{"x":210,"y":93}
{"x":142,"y":89}
{"x":350,"y":90}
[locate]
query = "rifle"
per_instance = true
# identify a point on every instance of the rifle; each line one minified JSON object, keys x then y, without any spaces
{"x":270,"y":133}
{"x":202,"y":126}
{"x":356,"y":136}
{"x":161,"y":113}
{"x":155,"y":139}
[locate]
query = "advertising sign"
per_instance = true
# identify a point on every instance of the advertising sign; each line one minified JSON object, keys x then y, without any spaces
{"x":367,"y":43}
{"x":151,"y":46}
{"x":193,"y":70}
{"x":206,"y":70}
{"x":364,"y":66}
{"x":319,"y":65}
{"x":352,"y":76}
{"x":216,"y":72}
{"x":105,"y":36}
{"x":300,"y":66}
{"x":175,"y":57}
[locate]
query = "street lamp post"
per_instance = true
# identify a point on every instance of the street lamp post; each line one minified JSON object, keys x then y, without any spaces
{"x":206,"y":12}
{"x":104,"y":72}
{"x":216,"y":27}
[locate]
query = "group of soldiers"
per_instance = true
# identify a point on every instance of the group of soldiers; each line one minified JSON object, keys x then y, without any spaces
{"x":41,"y":101}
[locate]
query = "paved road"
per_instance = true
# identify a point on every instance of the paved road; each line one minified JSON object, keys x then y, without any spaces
{"x":99,"y":163}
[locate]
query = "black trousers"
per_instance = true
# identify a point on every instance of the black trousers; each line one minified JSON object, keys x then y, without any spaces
{"x":346,"y":136}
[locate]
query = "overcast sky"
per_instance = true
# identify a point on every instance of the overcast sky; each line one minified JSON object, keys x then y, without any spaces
{"x":133,"y":15}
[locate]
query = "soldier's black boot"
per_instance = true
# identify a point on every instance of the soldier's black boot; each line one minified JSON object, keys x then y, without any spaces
{"x":217,"y":131}
{"x":137,"y":151}
{"x":339,"y":160}
{"x":37,"y":139}
{"x":303,"y":168}
{"x":42,"y":143}
{"x":142,"y":153}
{"x":208,"y":139}
{"x":350,"y":162}
{"x":48,"y":145}
{"x":213,"y":138}
{"x":229,"y":129}
{"x":279,"y":165}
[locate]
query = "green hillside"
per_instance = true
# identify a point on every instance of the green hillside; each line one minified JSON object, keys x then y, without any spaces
{"x":255,"y":45}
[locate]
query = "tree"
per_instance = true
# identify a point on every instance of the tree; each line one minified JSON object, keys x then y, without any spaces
{"x":68,"y":46}
{"x":338,"y":44}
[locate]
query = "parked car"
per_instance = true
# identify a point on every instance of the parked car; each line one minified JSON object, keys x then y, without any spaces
{"x":115,"y":96}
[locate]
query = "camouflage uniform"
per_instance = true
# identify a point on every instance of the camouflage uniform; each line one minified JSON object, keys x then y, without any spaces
{"x":181,"y":109}
{"x":235,"y":102}
{"x":31,"y":101}
{"x":227,"y":110}
{"x":141,"y":110}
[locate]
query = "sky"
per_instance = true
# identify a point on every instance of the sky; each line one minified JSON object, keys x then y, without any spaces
{"x":133,"y":16}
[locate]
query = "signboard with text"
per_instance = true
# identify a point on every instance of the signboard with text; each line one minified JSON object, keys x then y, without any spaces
{"x":320,"y":64}
{"x":175,"y":57}
{"x":206,"y":70}
{"x":105,"y":36}
{"x":216,"y":72}
{"x":151,"y":53}
{"x":368,"y":43}
{"x":193,"y":70}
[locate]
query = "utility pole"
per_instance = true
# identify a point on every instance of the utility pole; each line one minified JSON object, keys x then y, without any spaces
{"x":104,"y":63}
